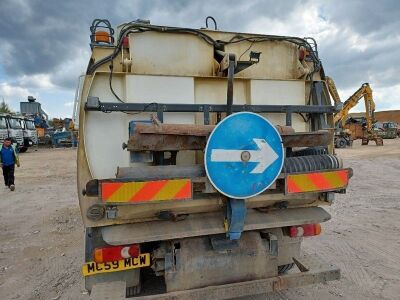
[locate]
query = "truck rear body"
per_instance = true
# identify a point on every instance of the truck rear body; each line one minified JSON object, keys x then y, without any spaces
{"x":149,"y":102}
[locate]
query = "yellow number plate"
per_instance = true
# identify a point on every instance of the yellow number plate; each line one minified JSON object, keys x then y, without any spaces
{"x":92,"y":268}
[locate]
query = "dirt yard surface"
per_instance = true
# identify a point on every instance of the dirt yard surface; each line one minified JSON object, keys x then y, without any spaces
{"x":41,"y":234}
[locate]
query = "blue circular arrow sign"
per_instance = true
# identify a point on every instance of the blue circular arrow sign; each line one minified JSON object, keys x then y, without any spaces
{"x":244,"y":155}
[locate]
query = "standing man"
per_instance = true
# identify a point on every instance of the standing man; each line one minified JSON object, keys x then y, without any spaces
{"x":8,"y":160}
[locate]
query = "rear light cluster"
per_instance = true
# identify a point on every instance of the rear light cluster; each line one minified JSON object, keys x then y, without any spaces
{"x":108,"y":254}
{"x":304,"y":230}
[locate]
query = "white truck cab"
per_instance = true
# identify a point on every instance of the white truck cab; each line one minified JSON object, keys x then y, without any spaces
{"x":29,"y":133}
{"x":3,"y":128}
{"x":15,"y":131}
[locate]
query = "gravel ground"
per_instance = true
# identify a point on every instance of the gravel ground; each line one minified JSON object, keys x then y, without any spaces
{"x":41,"y":233}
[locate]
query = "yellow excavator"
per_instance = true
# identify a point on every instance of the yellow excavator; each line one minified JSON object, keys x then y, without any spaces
{"x":346,"y":133}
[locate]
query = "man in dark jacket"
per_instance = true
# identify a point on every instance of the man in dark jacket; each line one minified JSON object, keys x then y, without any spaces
{"x":8,"y":160}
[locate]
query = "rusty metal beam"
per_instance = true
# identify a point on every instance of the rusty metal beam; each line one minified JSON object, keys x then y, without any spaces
{"x":209,"y":224}
{"x":318,"y":272}
{"x":175,"y":129}
{"x":307,"y":139}
{"x":164,"y":140}
{"x":248,"y":288}
{"x":190,"y":129}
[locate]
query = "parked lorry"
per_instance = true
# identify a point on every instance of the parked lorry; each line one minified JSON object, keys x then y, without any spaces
{"x":3,"y":127}
{"x":205,"y":157}
{"x":20,"y":129}
{"x":29,"y":133}
{"x":387,"y":130}
{"x":10,"y":126}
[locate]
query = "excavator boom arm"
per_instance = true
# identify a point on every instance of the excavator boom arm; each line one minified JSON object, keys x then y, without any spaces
{"x":365,"y":92}
{"x":333,"y":91}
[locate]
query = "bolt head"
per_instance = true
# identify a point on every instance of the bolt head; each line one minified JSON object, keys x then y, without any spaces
{"x":245,"y":156}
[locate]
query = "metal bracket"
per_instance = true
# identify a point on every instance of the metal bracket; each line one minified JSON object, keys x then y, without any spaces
{"x":235,"y":217}
{"x":220,"y":243}
{"x":92,"y":102}
{"x":138,"y":156}
{"x":111,"y":212}
{"x":329,"y":197}
{"x":273,"y":243}
{"x":302,"y":267}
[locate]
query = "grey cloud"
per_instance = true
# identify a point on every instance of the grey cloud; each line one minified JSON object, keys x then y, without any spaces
{"x":365,"y":17}
{"x":351,"y":67}
{"x":376,"y":23}
{"x":34,"y":32}
{"x":41,"y":36}
{"x":46,"y":36}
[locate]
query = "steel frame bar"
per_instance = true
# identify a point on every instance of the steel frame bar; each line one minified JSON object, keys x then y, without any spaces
{"x":161,"y":108}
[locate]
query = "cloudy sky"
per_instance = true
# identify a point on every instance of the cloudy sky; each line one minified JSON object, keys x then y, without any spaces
{"x":44,"y":44}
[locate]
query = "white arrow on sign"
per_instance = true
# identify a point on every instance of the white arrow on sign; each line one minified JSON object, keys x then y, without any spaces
{"x":265,"y":156}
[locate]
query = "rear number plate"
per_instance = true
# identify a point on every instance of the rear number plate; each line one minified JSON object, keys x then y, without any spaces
{"x":92,"y":268}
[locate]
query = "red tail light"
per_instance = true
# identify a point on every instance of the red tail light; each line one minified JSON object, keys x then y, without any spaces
{"x":108,"y":254}
{"x":305,"y":230}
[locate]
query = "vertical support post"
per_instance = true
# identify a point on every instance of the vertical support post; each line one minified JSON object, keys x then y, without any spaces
{"x":160,"y":113}
{"x":288,"y":118}
{"x":319,"y":99}
{"x":206,"y":115}
{"x":219,"y":117}
{"x":288,"y":123}
{"x":159,"y":155}
{"x":229,"y":93}
{"x":235,"y":217}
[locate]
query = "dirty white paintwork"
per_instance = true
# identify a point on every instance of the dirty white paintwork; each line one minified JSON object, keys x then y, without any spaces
{"x":176,"y":68}
{"x":170,"y":54}
{"x":280,"y":92}
{"x":105,"y":133}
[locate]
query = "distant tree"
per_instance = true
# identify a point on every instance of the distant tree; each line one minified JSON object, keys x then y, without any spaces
{"x":4,"y":108}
